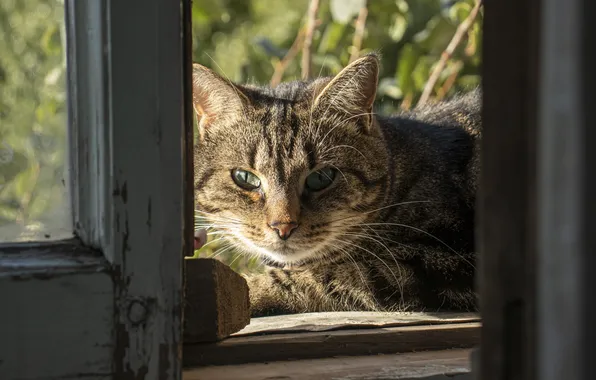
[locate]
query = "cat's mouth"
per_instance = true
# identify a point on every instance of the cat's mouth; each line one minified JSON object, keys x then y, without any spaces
{"x":280,"y":252}
{"x":287,"y":253}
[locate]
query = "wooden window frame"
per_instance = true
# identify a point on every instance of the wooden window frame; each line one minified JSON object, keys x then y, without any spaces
{"x":107,"y":304}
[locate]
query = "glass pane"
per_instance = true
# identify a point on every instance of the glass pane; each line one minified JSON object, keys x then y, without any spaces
{"x":34,"y":203}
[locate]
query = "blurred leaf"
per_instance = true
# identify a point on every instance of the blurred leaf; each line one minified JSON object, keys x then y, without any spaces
{"x":459,"y":11}
{"x":398,"y":28}
{"x":436,"y":36}
{"x":7,"y":213}
{"x":344,"y":10}
{"x":421,"y":71}
{"x":9,"y":169}
{"x":407,"y":62}
{"x":388,"y":87}
{"x":331,"y":36}
{"x":474,"y":40}
{"x":50,"y":41}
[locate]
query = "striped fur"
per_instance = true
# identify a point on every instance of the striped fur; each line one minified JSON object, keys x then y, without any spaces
{"x":394,"y":231}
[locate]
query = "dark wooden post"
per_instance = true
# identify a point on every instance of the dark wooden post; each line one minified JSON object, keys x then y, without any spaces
{"x":506,"y":203}
{"x":566,"y":255}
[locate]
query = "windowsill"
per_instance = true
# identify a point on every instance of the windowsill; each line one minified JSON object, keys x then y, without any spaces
{"x":321,"y":335}
{"x":430,"y":365}
{"x":49,"y":258}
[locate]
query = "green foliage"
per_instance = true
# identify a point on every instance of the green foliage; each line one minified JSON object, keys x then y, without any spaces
{"x":32,"y":119}
{"x":244,"y":40}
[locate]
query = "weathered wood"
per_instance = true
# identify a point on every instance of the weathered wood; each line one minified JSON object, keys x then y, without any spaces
{"x":147,"y":183}
{"x":566,"y":262}
{"x":56,"y":321}
{"x":67,"y":316}
{"x":189,"y":118}
{"x":235,"y":350}
{"x":313,"y":322}
{"x":88,"y":118}
{"x":216,"y":301}
{"x":506,"y":238}
{"x":68,"y":256}
{"x":420,"y":365}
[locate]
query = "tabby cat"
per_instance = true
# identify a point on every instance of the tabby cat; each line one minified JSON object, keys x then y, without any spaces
{"x":350,"y":209}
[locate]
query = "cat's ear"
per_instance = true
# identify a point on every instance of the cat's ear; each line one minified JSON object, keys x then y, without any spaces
{"x":216,"y":100}
{"x":351,"y":93}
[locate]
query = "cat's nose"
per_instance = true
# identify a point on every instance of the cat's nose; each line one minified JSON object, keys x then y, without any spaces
{"x":284,"y":230}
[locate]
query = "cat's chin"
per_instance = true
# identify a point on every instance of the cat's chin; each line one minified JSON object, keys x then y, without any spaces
{"x":288,"y":256}
{"x":282,"y":255}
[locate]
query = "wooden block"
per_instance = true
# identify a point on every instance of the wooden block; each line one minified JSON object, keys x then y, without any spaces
{"x":216,"y":301}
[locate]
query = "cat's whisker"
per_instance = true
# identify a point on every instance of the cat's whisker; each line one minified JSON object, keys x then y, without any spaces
{"x":344,"y":146}
{"x":425,"y":233}
{"x":353,"y":261}
{"x":378,"y":209}
{"x":221,"y":229}
{"x":345,"y":251}
{"x":342,"y":123}
{"x":238,"y":255}
{"x":322,"y":66}
{"x":211,"y":219}
{"x":346,"y":230}
{"x":213,"y":228}
{"x":212,"y":215}
{"x":374,"y":255}
{"x":384,"y":240}
{"x":340,"y":172}
{"x":220,"y":233}
{"x":367,"y":236}
{"x":400,"y":289}
{"x":211,"y":242}
{"x":214,"y":222}
{"x":222,"y":250}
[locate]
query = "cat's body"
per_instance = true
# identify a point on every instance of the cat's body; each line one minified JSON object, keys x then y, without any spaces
{"x":358,"y":212}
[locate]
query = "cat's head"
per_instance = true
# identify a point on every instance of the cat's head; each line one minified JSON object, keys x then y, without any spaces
{"x":286,"y":173}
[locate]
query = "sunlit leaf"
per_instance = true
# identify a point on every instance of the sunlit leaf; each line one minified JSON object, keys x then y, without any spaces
{"x":436,"y":36}
{"x":398,"y":28}
{"x":389,"y":87}
{"x":344,"y":10}
{"x":459,"y":11}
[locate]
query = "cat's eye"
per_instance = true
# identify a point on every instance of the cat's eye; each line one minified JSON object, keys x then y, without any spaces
{"x":245,"y":179}
{"x":320,"y":179}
